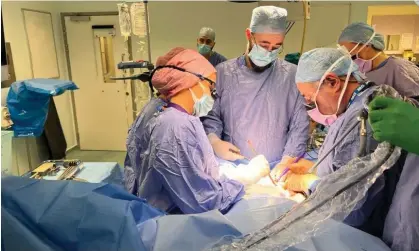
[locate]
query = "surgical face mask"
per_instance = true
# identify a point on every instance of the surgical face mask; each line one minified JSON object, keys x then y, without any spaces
{"x":204,"y":49}
{"x":261,"y":56}
{"x":363,"y":64}
{"x":315,"y":113}
{"x":203,"y":105}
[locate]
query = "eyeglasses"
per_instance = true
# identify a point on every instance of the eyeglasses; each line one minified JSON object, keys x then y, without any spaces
{"x":202,"y":78}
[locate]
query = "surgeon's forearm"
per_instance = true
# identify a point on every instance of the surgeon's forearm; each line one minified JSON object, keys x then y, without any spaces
{"x":212,"y":122}
{"x":297,"y":137}
{"x":212,"y":137}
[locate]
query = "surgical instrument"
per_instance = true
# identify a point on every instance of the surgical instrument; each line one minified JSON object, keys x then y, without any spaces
{"x":287,"y":168}
{"x":361,"y":117}
{"x":53,"y":168}
{"x":251,"y":147}
{"x":363,"y":134}
{"x":254,"y":152}
{"x":139,"y":64}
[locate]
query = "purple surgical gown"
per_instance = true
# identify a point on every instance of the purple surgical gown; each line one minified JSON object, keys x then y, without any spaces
{"x":349,"y":146}
{"x":148,"y":111}
{"x":265,"y":108}
{"x":398,"y":73}
{"x":401,"y":228}
{"x":171,"y":164}
{"x":346,"y":151}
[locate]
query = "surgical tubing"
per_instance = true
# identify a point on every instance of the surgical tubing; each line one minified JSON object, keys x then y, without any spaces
{"x":390,"y":152}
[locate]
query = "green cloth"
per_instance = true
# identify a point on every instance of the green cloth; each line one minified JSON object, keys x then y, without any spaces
{"x":293,"y":58}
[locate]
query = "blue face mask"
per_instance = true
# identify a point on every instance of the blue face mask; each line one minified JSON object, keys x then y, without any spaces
{"x":262,"y":57}
{"x":204,"y":49}
{"x":203,"y":105}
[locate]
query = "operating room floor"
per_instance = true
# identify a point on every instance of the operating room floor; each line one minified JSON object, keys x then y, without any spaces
{"x":97,"y":156}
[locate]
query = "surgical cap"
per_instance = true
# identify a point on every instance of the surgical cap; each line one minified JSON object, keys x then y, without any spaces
{"x":313,"y":64}
{"x":268,"y":19}
{"x":208,"y":33}
{"x":171,"y":81}
{"x":360,"y":33}
{"x":163,"y":60}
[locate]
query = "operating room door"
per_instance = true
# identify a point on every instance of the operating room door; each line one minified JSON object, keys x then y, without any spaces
{"x":103,"y":106}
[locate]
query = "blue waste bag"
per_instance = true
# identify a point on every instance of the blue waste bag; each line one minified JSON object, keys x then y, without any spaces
{"x":28,"y":103}
{"x":42,"y":215}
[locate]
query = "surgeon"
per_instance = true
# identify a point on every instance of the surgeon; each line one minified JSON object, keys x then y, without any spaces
{"x":205,"y":44}
{"x":153,"y":106}
{"x":169,"y":161}
{"x":367,"y":50}
{"x":335,"y":92}
{"x":259,"y":109}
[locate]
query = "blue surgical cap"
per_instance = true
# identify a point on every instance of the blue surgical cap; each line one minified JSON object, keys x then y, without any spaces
{"x":314,"y":64}
{"x":361,"y":33}
{"x":208,"y":33}
{"x":268,"y":19}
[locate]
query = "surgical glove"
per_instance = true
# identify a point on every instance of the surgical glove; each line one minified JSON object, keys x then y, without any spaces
{"x":280,"y":167}
{"x":299,"y":182}
{"x":297,"y":197}
{"x":396,"y":122}
{"x":301,"y":167}
{"x":249,"y":174}
{"x":260,"y":164}
{"x":223,"y":149}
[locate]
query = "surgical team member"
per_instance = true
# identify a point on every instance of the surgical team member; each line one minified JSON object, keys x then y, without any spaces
{"x":170,"y":162}
{"x":336,"y":93}
{"x":397,"y":122}
{"x":259,"y":108}
{"x":366,"y":47}
{"x":206,"y":43}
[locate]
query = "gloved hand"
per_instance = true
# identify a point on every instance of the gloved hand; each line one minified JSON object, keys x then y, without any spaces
{"x":297,"y":197}
{"x":261,"y":165}
{"x":396,"y":122}
{"x":224,"y":149}
{"x":299,"y":182}
{"x":280,"y":167}
{"x":301,"y":167}
{"x":249,"y":174}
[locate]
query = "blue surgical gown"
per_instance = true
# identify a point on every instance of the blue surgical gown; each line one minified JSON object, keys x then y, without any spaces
{"x":171,"y":164}
{"x":216,"y":58}
{"x":398,"y":73}
{"x":401,"y":228}
{"x":265,"y":108}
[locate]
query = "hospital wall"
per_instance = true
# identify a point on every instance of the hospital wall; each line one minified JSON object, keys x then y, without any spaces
{"x":176,"y":23}
{"x":15,"y":34}
{"x":327,"y":20}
